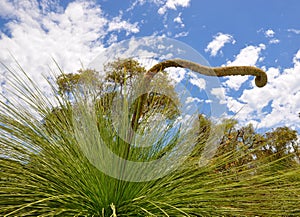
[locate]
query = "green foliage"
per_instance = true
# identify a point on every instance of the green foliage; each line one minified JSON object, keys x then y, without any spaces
{"x":45,"y":172}
{"x":123,"y":76}
{"x":123,"y":71}
{"x":68,"y":82}
{"x":244,"y":148}
{"x":280,"y":146}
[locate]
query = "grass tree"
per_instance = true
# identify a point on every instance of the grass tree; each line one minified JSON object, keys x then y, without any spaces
{"x":53,"y":163}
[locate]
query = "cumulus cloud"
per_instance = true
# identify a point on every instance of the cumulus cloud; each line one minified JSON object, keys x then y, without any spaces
{"x":117,"y":24}
{"x":193,"y":100}
{"x":297,"y":57}
{"x":219,"y":92}
{"x":163,"y":6}
{"x":7,"y":10}
{"x":269,"y":33}
{"x":218,"y":42}
{"x":275,"y":104}
{"x":248,"y":56}
{"x":197,"y":81}
{"x":176,"y":75}
{"x":37,"y":33}
{"x":178,"y":20}
{"x":173,"y":4}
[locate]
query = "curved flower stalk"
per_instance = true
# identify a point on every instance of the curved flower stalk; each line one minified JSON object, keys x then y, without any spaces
{"x":260,"y":80}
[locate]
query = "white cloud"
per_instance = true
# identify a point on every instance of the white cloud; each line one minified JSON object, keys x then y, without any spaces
{"x":276,"y":104}
{"x":117,"y":24}
{"x":237,"y":107}
{"x":71,"y":36}
{"x":297,"y":57}
{"x":135,"y":3}
{"x":181,"y":34}
{"x":176,"y":75}
{"x":178,"y":20}
{"x":193,"y":100}
{"x":269,"y":33}
{"x":196,"y":81}
{"x":199,"y":82}
{"x":274,"y":41}
{"x":248,"y":56}
{"x":218,"y":42}
{"x":219,"y":92}
{"x":236,"y":82}
{"x":296,"y":31}
{"x":173,"y":4}
{"x":7,"y":10}
{"x":112,"y":39}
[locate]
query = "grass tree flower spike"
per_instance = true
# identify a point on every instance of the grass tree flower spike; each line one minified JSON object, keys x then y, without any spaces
{"x":260,"y":80}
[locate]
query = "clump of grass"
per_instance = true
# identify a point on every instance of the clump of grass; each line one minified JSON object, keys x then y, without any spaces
{"x":45,"y":171}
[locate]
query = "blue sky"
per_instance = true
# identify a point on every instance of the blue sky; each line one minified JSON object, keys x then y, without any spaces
{"x":265,"y":34}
